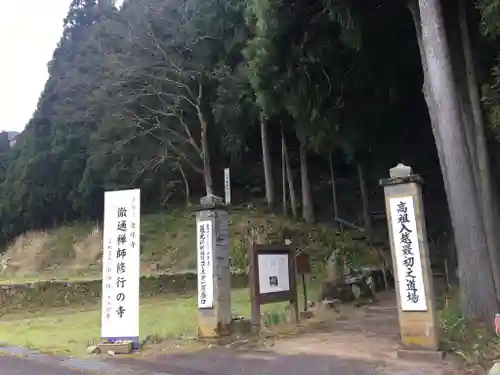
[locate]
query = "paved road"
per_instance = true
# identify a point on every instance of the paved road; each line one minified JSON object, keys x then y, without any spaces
{"x":222,"y":362}
{"x":23,"y":366}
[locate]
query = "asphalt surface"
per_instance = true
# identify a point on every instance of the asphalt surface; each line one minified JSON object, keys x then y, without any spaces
{"x":220,"y":362}
{"x":22,"y":366}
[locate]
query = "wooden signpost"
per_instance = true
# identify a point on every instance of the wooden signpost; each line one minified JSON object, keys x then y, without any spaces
{"x":303,"y":269}
{"x":272,"y":278}
{"x":227,"y":186}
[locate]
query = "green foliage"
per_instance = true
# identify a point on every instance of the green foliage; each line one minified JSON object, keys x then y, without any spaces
{"x":490,"y":27}
{"x":471,"y":342}
{"x":490,"y":15}
{"x":491,"y":99}
{"x":123,"y":105}
{"x":130,"y":91}
{"x":314,"y":85}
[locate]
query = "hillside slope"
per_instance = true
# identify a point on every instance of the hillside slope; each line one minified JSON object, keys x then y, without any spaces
{"x":168,"y":243}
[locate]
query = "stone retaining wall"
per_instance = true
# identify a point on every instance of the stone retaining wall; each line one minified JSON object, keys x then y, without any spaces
{"x":47,"y":294}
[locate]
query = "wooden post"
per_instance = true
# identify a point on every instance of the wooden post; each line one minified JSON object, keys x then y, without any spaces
{"x":303,"y":268}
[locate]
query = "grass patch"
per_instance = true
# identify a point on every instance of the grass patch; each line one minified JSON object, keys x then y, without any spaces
{"x":168,"y":317}
{"x":169,"y":240}
{"x":473,"y":343}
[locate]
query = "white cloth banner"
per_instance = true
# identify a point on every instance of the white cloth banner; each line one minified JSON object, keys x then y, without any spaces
{"x":407,"y":252}
{"x":205,"y":262}
{"x":121,"y":264}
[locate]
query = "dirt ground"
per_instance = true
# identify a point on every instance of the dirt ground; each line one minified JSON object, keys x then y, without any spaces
{"x":360,"y":341}
{"x":357,"y":341}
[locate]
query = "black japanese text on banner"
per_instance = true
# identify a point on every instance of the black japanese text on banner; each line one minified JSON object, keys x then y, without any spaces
{"x":407,"y":254}
{"x":121,"y":265}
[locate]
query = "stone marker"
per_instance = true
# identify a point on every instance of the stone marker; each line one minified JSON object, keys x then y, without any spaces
{"x":214,"y":276}
{"x":412,"y":272}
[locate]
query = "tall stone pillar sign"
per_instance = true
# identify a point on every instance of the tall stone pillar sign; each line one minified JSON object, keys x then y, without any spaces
{"x":214,"y":276}
{"x":410,"y":254}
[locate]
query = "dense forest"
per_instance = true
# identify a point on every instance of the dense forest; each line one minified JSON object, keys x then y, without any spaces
{"x":291,"y":94}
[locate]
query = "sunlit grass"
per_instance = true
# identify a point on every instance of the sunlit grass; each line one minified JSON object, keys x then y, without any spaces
{"x":70,"y":331}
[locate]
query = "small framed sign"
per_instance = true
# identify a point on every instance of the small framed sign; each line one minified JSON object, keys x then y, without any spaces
{"x":303,"y":264}
{"x":272,"y":277}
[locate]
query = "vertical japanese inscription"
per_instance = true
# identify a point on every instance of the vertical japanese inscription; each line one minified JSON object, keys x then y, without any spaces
{"x":107,"y":279}
{"x":121,"y":259}
{"x":120,"y":297}
{"x":205,"y":265}
{"x":407,"y":253}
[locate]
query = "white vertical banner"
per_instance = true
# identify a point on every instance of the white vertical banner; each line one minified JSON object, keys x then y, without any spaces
{"x":227,"y":185}
{"x":407,"y":253}
{"x":205,"y":262}
{"x":121,"y":265}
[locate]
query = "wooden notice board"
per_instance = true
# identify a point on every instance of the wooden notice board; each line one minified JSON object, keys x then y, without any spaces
{"x":272,"y":276}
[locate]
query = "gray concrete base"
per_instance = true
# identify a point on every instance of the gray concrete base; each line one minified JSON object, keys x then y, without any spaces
{"x":495,"y":370}
{"x":433,"y":356}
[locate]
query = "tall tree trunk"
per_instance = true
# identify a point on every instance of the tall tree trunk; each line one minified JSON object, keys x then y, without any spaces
{"x":207,"y":171}
{"x":307,"y":204}
{"x":426,"y":89}
{"x":453,"y":34}
{"x":266,"y":160}
{"x":283,"y":172}
{"x":488,"y":198}
{"x":432,"y":107}
{"x":460,"y":50}
{"x":364,"y":201}
{"x":289,"y":177}
{"x":476,"y":280}
{"x":334,"y":188}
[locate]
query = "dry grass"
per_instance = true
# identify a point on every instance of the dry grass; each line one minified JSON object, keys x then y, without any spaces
{"x":28,"y":253}
{"x":168,"y":241}
{"x":74,"y":251}
{"x":88,"y":251}
{"x":63,"y":253}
